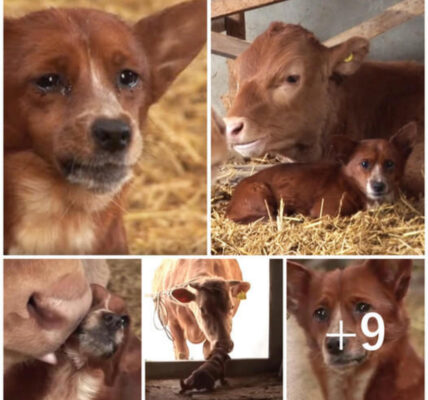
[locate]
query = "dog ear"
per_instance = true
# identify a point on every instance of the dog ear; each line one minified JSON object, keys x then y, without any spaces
{"x":342,"y":148}
{"x":345,"y":58}
{"x":298,"y":278}
{"x":171,"y":39}
{"x":405,"y":139}
{"x":394,"y":274}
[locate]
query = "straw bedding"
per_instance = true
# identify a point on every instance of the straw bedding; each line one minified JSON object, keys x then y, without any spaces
{"x":166,"y":211}
{"x":391,"y":229}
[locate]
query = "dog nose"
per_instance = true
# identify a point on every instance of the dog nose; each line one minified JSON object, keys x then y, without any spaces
{"x":377,"y":186}
{"x":111,"y":135}
{"x":112,"y":321}
{"x":234,"y":126}
{"x":333,"y":345}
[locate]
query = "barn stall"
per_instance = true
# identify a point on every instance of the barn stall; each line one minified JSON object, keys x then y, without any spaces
{"x":396,"y":32}
{"x":254,"y":371}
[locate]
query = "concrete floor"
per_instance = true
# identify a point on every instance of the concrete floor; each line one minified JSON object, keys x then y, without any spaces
{"x":260,"y":387}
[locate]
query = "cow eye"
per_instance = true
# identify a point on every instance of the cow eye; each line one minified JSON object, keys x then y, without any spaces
{"x":49,"y":82}
{"x":293,"y":78}
{"x":362,"y":308}
{"x":128,"y":79}
{"x":365,"y":164}
{"x":321,"y":314}
{"x":389,"y":164}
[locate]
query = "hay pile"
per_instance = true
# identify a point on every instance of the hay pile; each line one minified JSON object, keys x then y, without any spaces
{"x":125,"y":281}
{"x":166,"y":211}
{"x":389,"y":230}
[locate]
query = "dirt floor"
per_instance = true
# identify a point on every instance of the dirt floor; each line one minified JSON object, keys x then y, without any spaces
{"x":260,"y":387}
{"x":166,"y":210}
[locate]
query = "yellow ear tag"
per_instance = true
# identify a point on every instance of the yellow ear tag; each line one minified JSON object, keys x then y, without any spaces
{"x":349,"y":58}
{"x":242,"y":295}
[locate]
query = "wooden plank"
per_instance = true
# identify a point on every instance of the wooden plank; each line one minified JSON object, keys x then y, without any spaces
{"x":221,"y":8}
{"x":390,"y":18}
{"x":218,"y":25}
{"x":235,"y":25}
{"x":227,"y":46}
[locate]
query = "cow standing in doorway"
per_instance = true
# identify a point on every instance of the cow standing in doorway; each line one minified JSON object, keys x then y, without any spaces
{"x":199,"y":298}
{"x":292,"y":94}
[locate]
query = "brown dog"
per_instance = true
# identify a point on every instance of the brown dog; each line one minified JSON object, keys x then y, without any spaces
{"x":78,"y":86}
{"x":205,"y":377}
{"x":371,"y":175}
{"x":44,"y":301}
{"x":324,"y":301}
{"x":94,"y":363}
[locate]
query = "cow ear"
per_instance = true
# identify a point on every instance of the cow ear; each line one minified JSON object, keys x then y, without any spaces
{"x":171,"y":39}
{"x":342,"y":148}
{"x":405,"y":139}
{"x":346,"y":57}
{"x":183,"y":295}
{"x":394,"y":274}
{"x":298,"y":278}
{"x":239,"y":288}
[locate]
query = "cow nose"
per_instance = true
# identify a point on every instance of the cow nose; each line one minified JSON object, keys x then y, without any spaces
{"x":333,"y":345}
{"x":112,"y":321}
{"x":377,"y":186}
{"x":234,"y":126}
{"x":111,"y":135}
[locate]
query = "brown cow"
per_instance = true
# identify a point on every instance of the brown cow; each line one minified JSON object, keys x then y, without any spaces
{"x":200,"y":297}
{"x":293,"y":94}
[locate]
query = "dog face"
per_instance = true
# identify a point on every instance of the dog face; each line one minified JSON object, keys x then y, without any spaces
{"x":105,"y":327}
{"x":377,"y":165}
{"x":44,"y":301}
{"x":80,"y":82}
{"x":320,"y":300}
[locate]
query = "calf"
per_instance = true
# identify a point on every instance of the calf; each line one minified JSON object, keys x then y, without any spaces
{"x":293,"y":94}
{"x":78,"y":87}
{"x":44,"y":301}
{"x":371,"y":174}
{"x":199,"y":298}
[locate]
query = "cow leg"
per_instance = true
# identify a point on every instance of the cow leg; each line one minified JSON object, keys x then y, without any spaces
{"x":181,"y":350}
{"x":251,"y":201}
{"x":207,"y":349}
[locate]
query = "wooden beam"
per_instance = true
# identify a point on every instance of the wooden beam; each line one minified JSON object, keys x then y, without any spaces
{"x":227,"y":46}
{"x":390,"y":18}
{"x":235,"y":25}
{"x":221,"y":8}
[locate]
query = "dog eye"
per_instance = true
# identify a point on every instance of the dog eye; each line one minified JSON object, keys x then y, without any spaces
{"x":321,"y":314}
{"x":128,"y":78}
{"x":365,"y":164}
{"x":124,"y":320}
{"x":389,"y":164}
{"x":293,"y":78}
{"x":362,"y":308}
{"x":49,"y":82}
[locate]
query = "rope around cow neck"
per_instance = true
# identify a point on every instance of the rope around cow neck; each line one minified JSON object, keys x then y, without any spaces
{"x":161,"y":311}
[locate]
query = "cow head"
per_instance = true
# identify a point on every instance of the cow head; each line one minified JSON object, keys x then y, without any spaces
{"x":283,"y":95}
{"x":213,"y":302}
